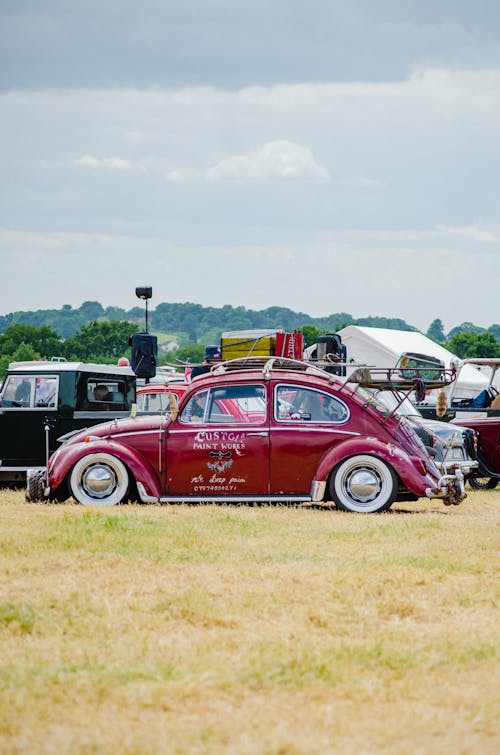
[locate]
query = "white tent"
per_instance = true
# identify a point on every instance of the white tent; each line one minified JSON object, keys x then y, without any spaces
{"x":382,"y":347}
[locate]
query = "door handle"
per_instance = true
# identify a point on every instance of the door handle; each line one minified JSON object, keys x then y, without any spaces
{"x":260,"y":435}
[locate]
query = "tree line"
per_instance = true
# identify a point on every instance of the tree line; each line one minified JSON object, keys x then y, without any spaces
{"x":102,"y":335}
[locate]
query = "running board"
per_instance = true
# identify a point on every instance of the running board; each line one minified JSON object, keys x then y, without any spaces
{"x":237,"y":499}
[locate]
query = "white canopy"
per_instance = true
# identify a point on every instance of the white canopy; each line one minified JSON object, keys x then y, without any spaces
{"x":382,"y":347}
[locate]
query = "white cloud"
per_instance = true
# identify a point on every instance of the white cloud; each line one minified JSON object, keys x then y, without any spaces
{"x":279,"y":160}
{"x":282,"y":160}
{"x":112,"y":163}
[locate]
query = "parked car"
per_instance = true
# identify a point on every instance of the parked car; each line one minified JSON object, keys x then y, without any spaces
{"x":480,"y":413}
{"x":41,"y":401}
{"x":156,"y":397}
{"x":487,"y":430}
{"x":446,"y":442}
{"x":485,"y":404}
{"x":260,"y":434}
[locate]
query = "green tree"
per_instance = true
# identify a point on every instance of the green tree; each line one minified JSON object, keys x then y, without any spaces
{"x":192,"y":351}
{"x":465,"y":327}
{"x":310,"y":333}
{"x":44,"y":341}
{"x":436,"y":331}
{"x":23,"y":353}
{"x":92,"y":310}
{"x":495,"y":331}
{"x":103,"y":342}
{"x":467,"y":345}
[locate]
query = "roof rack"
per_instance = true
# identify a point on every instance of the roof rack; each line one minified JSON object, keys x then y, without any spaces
{"x":267,"y":363}
{"x":393,"y":378}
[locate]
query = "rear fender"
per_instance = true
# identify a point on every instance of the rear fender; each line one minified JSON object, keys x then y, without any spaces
{"x":64,"y":459}
{"x":416,"y":474}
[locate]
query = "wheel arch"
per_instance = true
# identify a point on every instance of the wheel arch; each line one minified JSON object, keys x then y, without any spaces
{"x":138,"y":468}
{"x":363,"y":483}
{"x":409,"y":470}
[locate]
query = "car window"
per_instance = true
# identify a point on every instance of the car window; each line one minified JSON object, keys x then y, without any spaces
{"x":298,"y":404}
{"x":226,"y":405}
{"x":371,"y":397}
{"x":101,"y":392}
{"x":194,"y":411}
{"x":30,"y":391}
{"x":155,"y":402}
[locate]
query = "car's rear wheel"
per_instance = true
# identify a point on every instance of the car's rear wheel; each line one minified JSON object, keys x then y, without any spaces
{"x":363,"y":484}
{"x":483,"y":483}
{"x":99,"y":480}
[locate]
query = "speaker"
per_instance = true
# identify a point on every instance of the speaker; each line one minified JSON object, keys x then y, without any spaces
{"x":330,"y":347}
{"x":144,"y":356}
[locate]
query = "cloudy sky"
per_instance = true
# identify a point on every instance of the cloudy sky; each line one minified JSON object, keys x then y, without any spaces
{"x":325,"y":155}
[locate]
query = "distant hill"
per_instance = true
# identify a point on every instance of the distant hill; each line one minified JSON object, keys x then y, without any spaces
{"x":190,"y":323}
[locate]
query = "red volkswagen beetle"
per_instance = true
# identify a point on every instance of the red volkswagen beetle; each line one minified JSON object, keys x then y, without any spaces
{"x":260,"y":434}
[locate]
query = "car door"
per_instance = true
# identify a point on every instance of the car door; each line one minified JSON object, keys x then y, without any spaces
{"x":306,"y":423}
{"x":219,"y":444}
{"x":27,"y":400}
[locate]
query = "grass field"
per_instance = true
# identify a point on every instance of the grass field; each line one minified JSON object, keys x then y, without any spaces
{"x":217,"y":629}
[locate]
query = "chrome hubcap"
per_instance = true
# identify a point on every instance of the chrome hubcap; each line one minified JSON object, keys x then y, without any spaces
{"x":99,"y":481}
{"x":363,"y":484}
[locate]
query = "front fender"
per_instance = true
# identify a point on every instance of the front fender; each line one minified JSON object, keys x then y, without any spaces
{"x":415,"y":473}
{"x":64,"y":459}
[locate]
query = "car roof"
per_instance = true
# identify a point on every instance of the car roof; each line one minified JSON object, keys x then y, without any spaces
{"x":49,"y":366}
{"x":313,"y":376}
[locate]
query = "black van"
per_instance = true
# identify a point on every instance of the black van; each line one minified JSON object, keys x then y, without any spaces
{"x":41,"y":401}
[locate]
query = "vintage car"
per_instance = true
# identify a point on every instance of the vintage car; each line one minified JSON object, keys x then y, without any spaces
{"x":486,"y":403}
{"x":487,"y":430}
{"x":156,"y":396}
{"x":277,"y":432}
{"x":41,"y":401}
{"x":480,"y":413}
{"x":446,"y":442}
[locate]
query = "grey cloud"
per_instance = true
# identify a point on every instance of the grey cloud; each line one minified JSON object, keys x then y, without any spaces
{"x":231,"y":44}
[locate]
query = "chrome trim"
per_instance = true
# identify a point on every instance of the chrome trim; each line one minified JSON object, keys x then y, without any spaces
{"x":306,"y":427}
{"x":128,"y":434}
{"x":17,"y":469}
{"x":445,"y":485}
{"x":463,"y":466}
{"x":318,"y":488}
{"x":145,"y":498}
{"x":28,"y":409}
{"x":236,"y":498}
{"x":109,"y":415}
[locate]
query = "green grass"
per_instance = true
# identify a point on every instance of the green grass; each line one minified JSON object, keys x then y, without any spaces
{"x":218,"y":629}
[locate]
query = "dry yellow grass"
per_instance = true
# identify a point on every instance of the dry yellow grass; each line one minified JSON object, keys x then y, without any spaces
{"x":214,"y":629}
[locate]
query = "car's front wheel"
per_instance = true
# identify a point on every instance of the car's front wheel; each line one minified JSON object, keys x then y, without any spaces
{"x":363,"y":484}
{"x":99,"y":480}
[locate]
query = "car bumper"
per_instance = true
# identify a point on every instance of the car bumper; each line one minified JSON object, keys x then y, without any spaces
{"x":450,"y":488}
